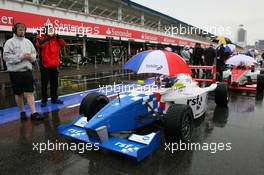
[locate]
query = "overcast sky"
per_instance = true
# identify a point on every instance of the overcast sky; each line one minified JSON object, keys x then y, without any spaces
{"x":227,"y":14}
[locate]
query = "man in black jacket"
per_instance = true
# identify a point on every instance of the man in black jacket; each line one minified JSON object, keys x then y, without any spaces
{"x":220,"y":62}
{"x":209,"y":58}
{"x":261,"y":61}
{"x":197,"y":57}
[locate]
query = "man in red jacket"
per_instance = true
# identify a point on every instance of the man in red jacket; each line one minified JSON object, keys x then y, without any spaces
{"x":49,"y":54}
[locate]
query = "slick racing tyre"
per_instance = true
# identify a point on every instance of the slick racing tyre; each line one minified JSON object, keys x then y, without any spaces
{"x":260,"y":83}
{"x":178,"y":123}
{"x":221,"y":94}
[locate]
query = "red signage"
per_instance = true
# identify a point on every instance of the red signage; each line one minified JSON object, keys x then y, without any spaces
{"x":34,"y":21}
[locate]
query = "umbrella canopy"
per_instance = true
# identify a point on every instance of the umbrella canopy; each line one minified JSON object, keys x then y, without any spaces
{"x":229,"y":48}
{"x":222,"y":40}
{"x":241,"y":59}
{"x":232,"y":47}
{"x":159,"y":62}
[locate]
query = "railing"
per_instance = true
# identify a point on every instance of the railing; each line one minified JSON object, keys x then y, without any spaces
{"x":213,"y":71}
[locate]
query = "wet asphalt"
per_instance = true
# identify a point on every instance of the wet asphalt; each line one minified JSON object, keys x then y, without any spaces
{"x":241,"y":125}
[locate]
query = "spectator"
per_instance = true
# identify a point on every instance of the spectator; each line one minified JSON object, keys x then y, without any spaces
{"x":3,"y":61}
{"x":49,"y":54}
{"x":220,"y":62}
{"x":209,"y":55}
{"x":186,"y":54}
{"x":198,"y":53}
{"x":19,"y":54}
{"x":191,"y":55}
{"x":261,"y":59}
{"x":1,"y":58}
{"x":209,"y":58}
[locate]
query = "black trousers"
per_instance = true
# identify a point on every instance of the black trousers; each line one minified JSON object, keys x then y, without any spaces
{"x":220,"y":66}
{"x":208,"y":73}
{"x":49,"y":75}
{"x":196,"y":71}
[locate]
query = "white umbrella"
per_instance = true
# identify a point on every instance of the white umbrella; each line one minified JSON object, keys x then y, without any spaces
{"x":241,"y":59}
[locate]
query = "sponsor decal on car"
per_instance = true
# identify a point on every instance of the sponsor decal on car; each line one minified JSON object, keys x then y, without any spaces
{"x":195,"y":102}
{"x":76,"y":133}
{"x":125,"y":148}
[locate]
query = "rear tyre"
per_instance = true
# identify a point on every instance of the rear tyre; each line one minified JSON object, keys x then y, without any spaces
{"x":260,"y":83}
{"x":91,"y":104}
{"x":229,"y":79}
{"x":221,"y":94}
{"x":178,"y":123}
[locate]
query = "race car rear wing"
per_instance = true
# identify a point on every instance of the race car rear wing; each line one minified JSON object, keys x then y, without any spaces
{"x":213,"y":71}
{"x":243,"y":88}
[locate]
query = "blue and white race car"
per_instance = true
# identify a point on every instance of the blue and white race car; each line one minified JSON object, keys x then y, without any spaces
{"x":101,"y":121}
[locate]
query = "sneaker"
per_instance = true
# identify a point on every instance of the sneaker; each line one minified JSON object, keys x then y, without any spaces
{"x":36,"y":116}
{"x":43,"y":104}
{"x":57,"y":102}
{"x":23,"y":116}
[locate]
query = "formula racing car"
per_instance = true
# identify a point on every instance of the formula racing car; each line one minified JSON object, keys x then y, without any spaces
{"x":102,"y":121}
{"x":243,"y":74}
{"x":244,"y":78}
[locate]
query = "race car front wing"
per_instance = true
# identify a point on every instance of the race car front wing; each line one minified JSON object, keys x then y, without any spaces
{"x":136,"y":146}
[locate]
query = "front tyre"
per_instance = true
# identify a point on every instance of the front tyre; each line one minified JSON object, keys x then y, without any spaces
{"x":178,"y":123}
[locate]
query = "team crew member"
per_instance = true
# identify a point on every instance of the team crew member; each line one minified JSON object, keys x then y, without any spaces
{"x":209,"y":59}
{"x":49,"y":53}
{"x":197,"y":57}
{"x":19,"y":54}
{"x":220,"y":62}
